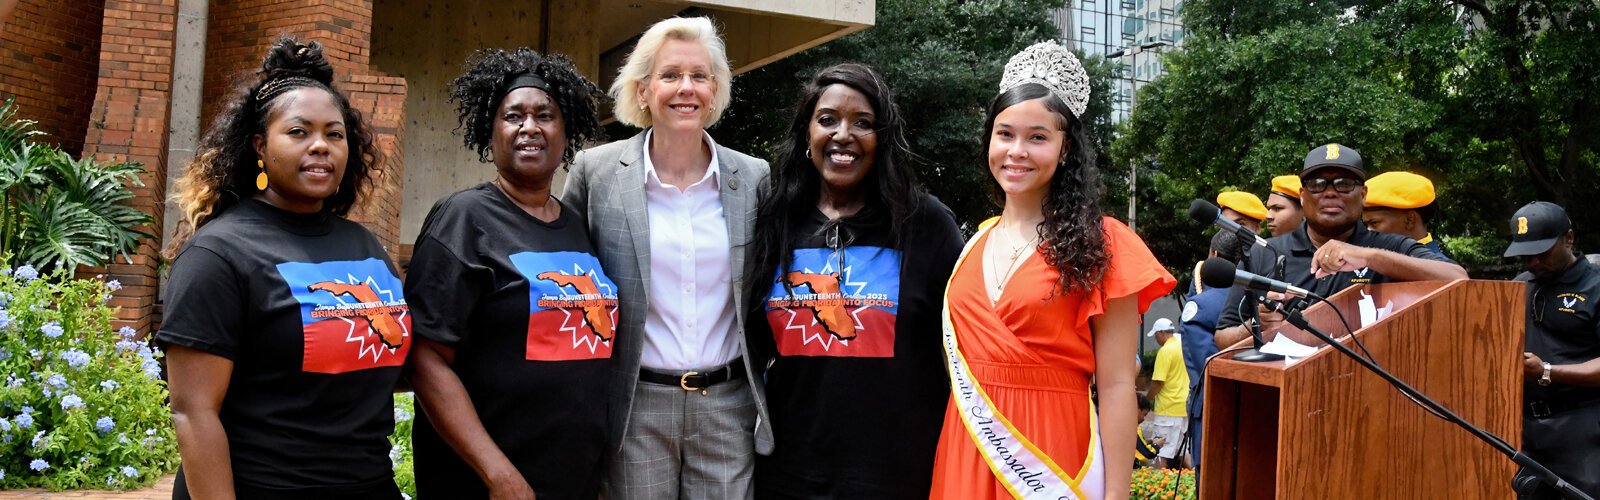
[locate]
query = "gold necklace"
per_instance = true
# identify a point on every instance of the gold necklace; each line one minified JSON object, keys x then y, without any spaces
{"x":1011,"y":266}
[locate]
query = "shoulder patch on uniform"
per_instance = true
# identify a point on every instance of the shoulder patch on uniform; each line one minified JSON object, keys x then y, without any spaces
{"x":1189,"y":310}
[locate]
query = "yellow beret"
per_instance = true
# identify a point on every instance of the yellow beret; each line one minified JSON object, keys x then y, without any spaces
{"x":1244,"y":203}
{"x":1288,"y":185}
{"x":1403,"y":190}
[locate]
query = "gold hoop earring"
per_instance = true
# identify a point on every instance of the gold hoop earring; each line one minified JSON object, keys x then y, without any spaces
{"x":261,"y":178}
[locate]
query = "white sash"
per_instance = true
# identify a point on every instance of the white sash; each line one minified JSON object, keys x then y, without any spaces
{"x":1024,"y":469}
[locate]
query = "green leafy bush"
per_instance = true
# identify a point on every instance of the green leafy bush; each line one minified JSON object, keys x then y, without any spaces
{"x":81,"y":405}
{"x":60,"y":212}
{"x":400,"y":444}
{"x":1153,"y":484}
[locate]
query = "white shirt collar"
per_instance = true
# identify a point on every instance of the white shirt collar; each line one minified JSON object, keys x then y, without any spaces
{"x":650,"y":167}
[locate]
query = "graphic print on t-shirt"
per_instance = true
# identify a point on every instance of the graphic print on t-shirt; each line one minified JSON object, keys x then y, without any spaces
{"x":572,"y":306}
{"x":353,"y":312}
{"x":840,"y":305}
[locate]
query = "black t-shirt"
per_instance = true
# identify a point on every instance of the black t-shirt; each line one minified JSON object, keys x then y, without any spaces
{"x":858,"y":389}
{"x":309,"y":310}
{"x":1564,"y":328}
{"x":531,"y":316}
{"x":1295,"y":250}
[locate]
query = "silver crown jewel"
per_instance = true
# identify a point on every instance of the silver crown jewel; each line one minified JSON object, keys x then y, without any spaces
{"x":1053,"y":66}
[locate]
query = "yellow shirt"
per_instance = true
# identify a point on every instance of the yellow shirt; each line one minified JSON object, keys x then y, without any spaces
{"x":1170,"y":402}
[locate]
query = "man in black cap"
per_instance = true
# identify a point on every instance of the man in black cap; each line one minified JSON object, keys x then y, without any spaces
{"x":1561,"y":420}
{"x":1332,"y":249}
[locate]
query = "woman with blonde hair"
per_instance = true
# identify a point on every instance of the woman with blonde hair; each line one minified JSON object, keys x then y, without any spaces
{"x":671,"y":213}
{"x":286,"y":326}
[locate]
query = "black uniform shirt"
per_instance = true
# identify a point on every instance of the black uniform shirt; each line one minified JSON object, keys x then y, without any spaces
{"x":1296,"y":251}
{"x":1564,"y":327}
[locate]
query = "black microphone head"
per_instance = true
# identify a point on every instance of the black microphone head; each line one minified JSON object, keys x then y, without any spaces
{"x":1204,"y":212}
{"x":1217,"y":272}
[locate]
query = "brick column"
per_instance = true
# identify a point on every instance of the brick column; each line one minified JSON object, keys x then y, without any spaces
{"x":132,"y":105}
{"x":48,"y":57}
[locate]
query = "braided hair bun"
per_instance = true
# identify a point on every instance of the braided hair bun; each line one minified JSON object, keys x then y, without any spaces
{"x":290,"y":58}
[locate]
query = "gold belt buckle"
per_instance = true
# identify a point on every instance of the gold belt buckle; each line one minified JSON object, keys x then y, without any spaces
{"x":684,"y":382}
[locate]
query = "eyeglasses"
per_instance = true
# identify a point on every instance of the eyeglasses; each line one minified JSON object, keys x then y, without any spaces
{"x":671,"y":76}
{"x":1343,"y":185}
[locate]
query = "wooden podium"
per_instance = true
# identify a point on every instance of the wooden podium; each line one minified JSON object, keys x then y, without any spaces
{"x":1326,"y":427}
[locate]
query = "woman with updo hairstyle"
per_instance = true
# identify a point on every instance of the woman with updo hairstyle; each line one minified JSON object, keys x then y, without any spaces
{"x":515,"y":316}
{"x":671,"y":213}
{"x":1043,"y":304}
{"x":852,"y":258}
{"x":285,"y":325}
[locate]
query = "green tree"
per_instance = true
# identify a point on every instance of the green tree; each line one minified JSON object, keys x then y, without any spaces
{"x":1495,"y":102}
{"x":943,"y":58}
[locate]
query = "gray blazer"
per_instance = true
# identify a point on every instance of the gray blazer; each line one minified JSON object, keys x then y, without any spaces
{"x":606,"y":183}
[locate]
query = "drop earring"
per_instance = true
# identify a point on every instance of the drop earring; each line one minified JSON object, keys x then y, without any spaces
{"x":261,"y":178}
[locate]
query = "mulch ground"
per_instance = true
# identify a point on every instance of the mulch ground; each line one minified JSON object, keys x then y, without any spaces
{"x":162,"y":490}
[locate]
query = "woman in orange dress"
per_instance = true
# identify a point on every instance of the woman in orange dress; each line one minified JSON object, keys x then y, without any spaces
{"x":1044,"y":303}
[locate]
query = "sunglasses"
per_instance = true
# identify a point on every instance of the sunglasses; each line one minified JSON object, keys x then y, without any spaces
{"x":1343,"y":184}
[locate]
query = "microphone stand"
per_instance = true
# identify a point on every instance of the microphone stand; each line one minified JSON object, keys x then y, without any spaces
{"x":1254,"y":355}
{"x":1530,"y":467}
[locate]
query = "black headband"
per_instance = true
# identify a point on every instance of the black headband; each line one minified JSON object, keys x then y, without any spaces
{"x":521,"y":80}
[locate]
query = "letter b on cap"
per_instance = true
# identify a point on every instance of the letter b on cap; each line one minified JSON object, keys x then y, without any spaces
{"x":1333,"y":152}
{"x":1522,"y":225}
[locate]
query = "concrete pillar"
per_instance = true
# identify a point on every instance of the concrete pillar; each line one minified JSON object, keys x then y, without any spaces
{"x":188,"y":74}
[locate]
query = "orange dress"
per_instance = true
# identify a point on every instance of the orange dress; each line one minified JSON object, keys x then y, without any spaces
{"x":1033,"y":354}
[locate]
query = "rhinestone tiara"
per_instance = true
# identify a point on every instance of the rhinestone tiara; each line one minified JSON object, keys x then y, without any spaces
{"x":1053,"y":66}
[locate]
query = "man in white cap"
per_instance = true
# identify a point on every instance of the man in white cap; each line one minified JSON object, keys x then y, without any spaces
{"x":1169,"y":388}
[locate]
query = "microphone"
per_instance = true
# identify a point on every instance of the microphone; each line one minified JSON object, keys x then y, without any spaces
{"x":1204,"y":212}
{"x":1219,"y":273}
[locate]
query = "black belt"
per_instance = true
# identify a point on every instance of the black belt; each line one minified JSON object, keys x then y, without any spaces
{"x":692,"y":380}
{"x":1544,"y":408}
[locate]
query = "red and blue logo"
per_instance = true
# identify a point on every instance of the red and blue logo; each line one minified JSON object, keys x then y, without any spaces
{"x":841,"y":304}
{"x":572,"y":306}
{"x":354,"y":315}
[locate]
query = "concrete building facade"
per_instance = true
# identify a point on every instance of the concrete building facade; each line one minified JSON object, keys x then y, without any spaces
{"x":138,"y":80}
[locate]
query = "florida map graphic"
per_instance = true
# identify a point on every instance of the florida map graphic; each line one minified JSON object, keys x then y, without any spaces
{"x":842,"y":304}
{"x":572,"y":306}
{"x":353,"y":315}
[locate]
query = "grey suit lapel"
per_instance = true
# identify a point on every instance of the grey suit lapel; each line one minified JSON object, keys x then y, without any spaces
{"x":736,"y":196}
{"x":631,"y":198}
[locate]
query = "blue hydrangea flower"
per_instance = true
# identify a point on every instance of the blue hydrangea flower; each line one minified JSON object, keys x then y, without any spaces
{"x":5,"y":299}
{"x":109,"y":385}
{"x":26,"y":273}
{"x":5,"y":270}
{"x":38,"y":464}
{"x":5,"y":425}
{"x":52,"y":329}
{"x":48,"y":392}
{"x":122,"y":438}
{"x":13,"y":382}
{"x":57,"y":380}
{"x":39,"y":440}
{"x":71,"y":401}
{"x":127,"y":345}
{"x":114,"y":285}
{"x":5,"y":319}
{"x":145,"y":352}
{"x":36,"y":354}
{"x":24,"y":420}
{"x":129,"y":471}
{"x":27,"y":409}
{"x":2,"y":473}
{"x":127,"y":332}
{"x":105,"y":425}
{"x":75,"y":358}
{"x":397,"y":455}
{"x":401,"y":415}
{"x":152,"y":368}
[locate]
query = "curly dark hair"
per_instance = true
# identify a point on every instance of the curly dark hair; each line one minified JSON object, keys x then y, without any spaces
{"x":476,"y":94}
{"x":796,"y":184}
{"x":224,"y":169}
{"x":1073,"y":238}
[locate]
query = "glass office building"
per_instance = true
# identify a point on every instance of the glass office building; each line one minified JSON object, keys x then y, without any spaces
{"x":1100,"y":27}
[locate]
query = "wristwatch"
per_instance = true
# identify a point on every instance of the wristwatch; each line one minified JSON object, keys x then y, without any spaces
{"x":1545,"y":379}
